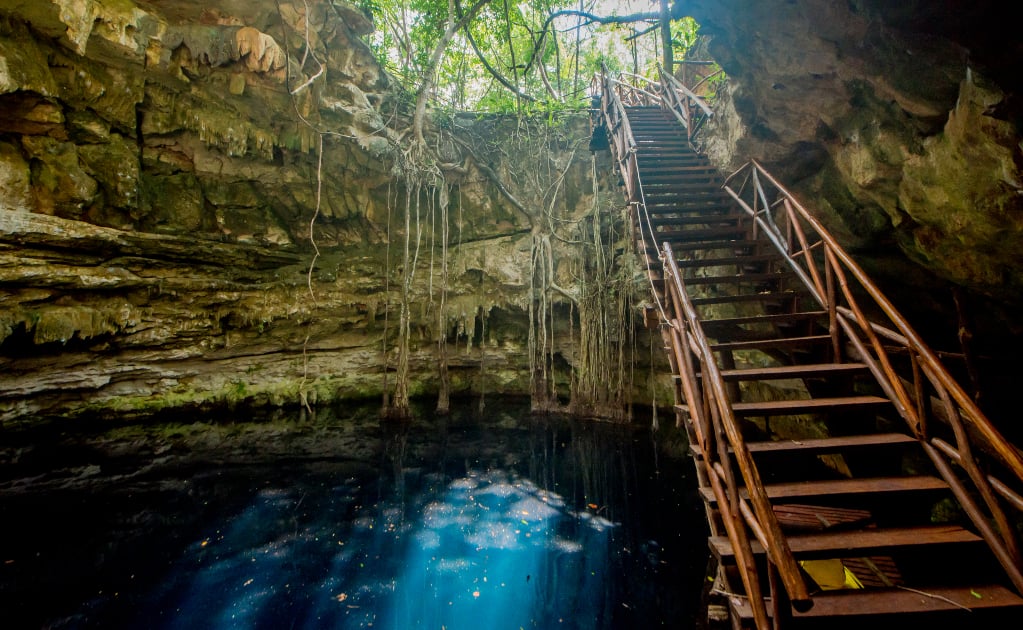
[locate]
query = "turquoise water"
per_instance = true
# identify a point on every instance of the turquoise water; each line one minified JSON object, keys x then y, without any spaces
{"x":499,"y":520}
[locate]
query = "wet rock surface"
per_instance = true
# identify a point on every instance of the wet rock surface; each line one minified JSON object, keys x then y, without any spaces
{"x":898,"y":125}
{"x":162,"y":202}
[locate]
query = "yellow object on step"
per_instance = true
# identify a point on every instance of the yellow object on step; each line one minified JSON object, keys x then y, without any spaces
{"x":830,"y":575}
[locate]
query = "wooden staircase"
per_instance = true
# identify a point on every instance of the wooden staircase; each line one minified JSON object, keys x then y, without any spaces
{"x":830,"y":500}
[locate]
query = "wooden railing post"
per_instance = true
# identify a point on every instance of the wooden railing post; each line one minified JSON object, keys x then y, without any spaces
{"x":960,"y":412}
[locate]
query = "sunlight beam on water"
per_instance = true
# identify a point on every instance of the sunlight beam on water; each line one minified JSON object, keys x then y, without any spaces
{"x":490,"y":554}
{"x":489,"y":550}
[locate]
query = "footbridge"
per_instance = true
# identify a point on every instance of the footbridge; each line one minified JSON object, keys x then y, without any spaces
{"x":846,"y":476}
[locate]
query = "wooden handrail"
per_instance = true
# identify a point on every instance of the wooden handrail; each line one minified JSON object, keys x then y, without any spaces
{"x":763,"y":518}
{"x":727,"y":464}
{"x":934,"y":390}
{"x":1010,"y":455}
{"x":717,"y":429}
{"x":668,"y":93}
{"x":672,"y":82}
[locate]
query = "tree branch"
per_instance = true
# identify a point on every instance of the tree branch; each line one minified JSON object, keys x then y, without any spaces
{"x":430,"y":76}
{"x":601,"y":19}
{"x":589,"y":18}
{"x":489,"y":68}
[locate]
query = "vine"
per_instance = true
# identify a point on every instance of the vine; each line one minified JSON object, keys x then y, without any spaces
{"x":595,"y":307}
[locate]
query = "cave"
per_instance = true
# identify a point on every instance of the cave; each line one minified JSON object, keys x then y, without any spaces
{"x":279,"y":273}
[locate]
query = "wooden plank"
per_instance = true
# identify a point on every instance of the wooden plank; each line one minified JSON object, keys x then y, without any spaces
{"x":768,"y":296}
{"x":817,"y":446}
{"x":702,"y":172}
{"x":780,"y":372}
{"x":801,"y":406}
{"x":710,"y":246}
{"x":862,"y":542}
{"x":785,"y":342}
{"x":685,"y":195}
{"x":672,"y":207}
{"x":808,"y":405}
{"x":774,"y":320}
{"x":923,"y":599}
{"x":794,"y":517}
{"x":682,"y":188}
{"x":831,"y":444}
{"x":647,"y":159}
{"x":844,"y":487}
{"x":701,"y":234}
{"x":740,"y":278}
{"x":732,"y":260}
{"x":698,"y":219}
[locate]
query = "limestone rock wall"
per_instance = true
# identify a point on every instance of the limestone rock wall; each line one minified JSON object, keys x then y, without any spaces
{"x":159,"y":179}
{"x":899,"y":124}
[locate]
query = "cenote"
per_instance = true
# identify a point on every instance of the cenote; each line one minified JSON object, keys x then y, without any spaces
{"x":489,"y":518}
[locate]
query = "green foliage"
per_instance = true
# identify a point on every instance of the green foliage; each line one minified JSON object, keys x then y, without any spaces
{"x":540,"y":69}
{"x":684,"y":34}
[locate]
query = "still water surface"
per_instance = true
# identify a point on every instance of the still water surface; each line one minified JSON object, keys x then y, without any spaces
{"x":472,"y":521}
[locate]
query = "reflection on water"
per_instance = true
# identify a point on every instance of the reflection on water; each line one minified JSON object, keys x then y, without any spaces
{"x":510,"y":522}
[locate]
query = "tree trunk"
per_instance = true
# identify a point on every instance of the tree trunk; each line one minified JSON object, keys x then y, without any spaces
{"x":668,"y":53}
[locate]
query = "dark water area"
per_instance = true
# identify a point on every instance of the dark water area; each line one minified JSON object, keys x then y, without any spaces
{"x":476,"y":520}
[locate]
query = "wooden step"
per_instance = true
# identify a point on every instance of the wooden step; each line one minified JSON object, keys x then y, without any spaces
{"x":803,"y":490}
{"x":691,"y":208}
{"x":655,"y":150}
{"x":656,"y":179}
{"x":777,"y":343}
{"x":817,"y":446}
{"x":782,"y":372}
{"x":658,"y":161}
{"x":810,"y":370}
{"x":674,"y":207}
{"x":739,"y":278}
{"x":696,"y":200}
{"x":731,"y":260}
{"x":734,"y":244}
{"x":698,"y":219}
{"x":647,"y":158}
{"x":809,"y":405}
{"x":682,"y":171}
{"x":801,"y":406}
{"x":782,"y":319}
{"x":678,"y":187}
{"x":648,"y":163}
{"x":856,"y":543}
{"x":710,"y":204}
{"x":901,"y":601}
{"x":694,"y":234}
{"x":820,"y":446}
{"x":772,"y":296}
